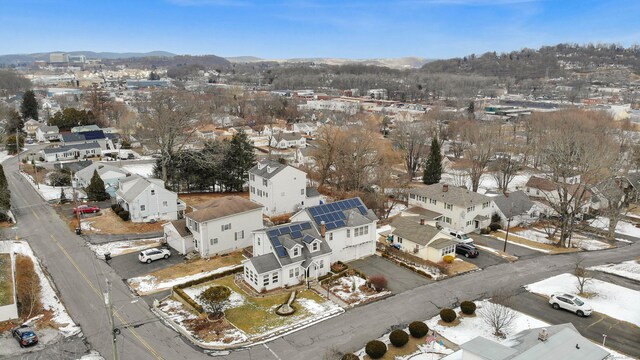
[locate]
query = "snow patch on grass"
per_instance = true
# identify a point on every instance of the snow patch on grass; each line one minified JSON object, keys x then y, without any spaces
{"x":149,"y":284}
{"x":622,"y":227}
{"x":628,"y":269}
{"x":612,"y":300}
{"x":144,"y":170}
{"x":349,"y":289}
{"x":123,"y":247}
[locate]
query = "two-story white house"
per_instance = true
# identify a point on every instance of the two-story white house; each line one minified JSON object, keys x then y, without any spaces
{"x":285,"y":140}
{"x":280,"y":188}
{"x":462,"y":210}
{"x":223,"y":225}
{"x":108,"y":173}
{"x":147,"y":200}
{"x":304,"y":249}
{"x":47,"y":133}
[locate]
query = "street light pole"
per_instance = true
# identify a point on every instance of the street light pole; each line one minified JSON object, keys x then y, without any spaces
{"x":506,"y":237}
{"x":109,"y":306}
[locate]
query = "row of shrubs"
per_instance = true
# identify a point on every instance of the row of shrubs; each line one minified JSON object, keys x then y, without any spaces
{"x":449,"y":315}
{"x":331,"y":278}
{"x":179,"y":292}
{"x":120,"y":211}
{"x":418,"y":329}
{"x":398,"y":338}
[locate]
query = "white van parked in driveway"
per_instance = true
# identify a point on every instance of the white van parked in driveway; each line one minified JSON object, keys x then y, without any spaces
{"x":458,"y":236}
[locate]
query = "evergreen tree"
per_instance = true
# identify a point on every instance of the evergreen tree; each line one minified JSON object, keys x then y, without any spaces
{"x":14,"y":122}
{"x":29,"y":106}
{"x":10,"y":144}
{"x":63,"y":196}
{"x":239,"y":158}
{"x":433,"y":166}
{"x":95,"y":191}
{"x":5,"y":194}
{"x":471,"y":110}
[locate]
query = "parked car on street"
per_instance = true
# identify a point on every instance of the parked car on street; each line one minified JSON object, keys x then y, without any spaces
{"x":86,"y":209}
{"x":25,"y":335}
{"x":468,"y":250}
{"x":149,"y":255}
{"x":571,"y":303}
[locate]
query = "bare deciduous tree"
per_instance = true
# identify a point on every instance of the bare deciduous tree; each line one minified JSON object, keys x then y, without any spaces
{"x":583,"y":276}
{"x":412,"y":141}
{"x":499,"y":317}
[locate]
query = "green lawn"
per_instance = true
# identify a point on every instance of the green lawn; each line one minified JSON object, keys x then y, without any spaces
{"x":6,"y":280}
{"x":257,"y":315}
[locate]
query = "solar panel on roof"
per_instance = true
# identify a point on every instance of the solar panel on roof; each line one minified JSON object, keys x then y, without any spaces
{"x":308,"y":239}
{"x":313,"y":211}
{"x":340,"y":223}
{"x":343,"y":205}
{"x":341,"y":215}
{"x":285,"y":230}
{"x":331,"y":226}
{"x":358,"y":202}
{"x":363,"y":210}
{"x":351,"y":203}
{"x":271,"y":233}
{"x":296,"y":234}
{"x":295,"y":227}
{"x":320,"y":209}
{"x":306,"y":226}
{"x":281,"y":251}
{"x":276,"y":241}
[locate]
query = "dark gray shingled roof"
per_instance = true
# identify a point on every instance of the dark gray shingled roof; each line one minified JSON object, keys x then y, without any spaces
{"x":515,"y":204}
{"x":451,"y":195}
{"x":265,"y":263}
{"x":267,"y":168}
{"x":63,"y":149}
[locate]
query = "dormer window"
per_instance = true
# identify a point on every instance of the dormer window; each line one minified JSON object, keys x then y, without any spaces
{"x":315,"y":246}
{"x":264,"y":182}
{"x":153,"y":192}
{"x":296,"y":251}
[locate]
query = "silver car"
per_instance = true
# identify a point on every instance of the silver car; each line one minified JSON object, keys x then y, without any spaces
{"x":149,"y":255}
{"x":571,"y":303}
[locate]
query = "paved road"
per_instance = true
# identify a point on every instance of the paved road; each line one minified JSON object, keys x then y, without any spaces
{"x":399,"y":278}
{"x":79,"y":277}
{"x":621,"y":335}
{"x":128,"y":265}
{"x":512,"y":249}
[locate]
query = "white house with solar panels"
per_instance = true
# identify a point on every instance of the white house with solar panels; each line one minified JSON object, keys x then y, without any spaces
{"x":305,"y":248}
{"x":280,"y":188}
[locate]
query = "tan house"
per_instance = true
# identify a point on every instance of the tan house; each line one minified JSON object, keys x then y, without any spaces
{"x":415,"y":236}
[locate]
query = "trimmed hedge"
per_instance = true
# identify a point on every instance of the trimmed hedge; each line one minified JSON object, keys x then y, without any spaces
{"x":448,"y":315}
{"x":495,"y":226}
{"x":350,"y":357}
{"x":398,"y":338}
{"x":468,"y":307}
{"x":448,"y":259}
{"x":208,"y":278}
{"x":188,"y":299}
{"x":375,"y":349}
{"x":418,"y":329}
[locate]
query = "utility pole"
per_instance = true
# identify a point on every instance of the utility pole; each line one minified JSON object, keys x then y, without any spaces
{"x":75,"y":206}
{"x":506,"y":237}
{"x":18,"y":148}
{"x":114,"y":330}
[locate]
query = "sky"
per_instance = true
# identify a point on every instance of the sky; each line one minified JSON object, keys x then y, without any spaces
{"x":280,"y":29}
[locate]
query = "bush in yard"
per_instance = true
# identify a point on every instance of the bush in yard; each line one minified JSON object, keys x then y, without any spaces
{"x":116,"y":208}
{"x":95,"y":191}
{"x":349,"y":357}
{"x":468,"y":307}
{"x":418,"y":329}
{"x":59,"y":179}
{"x":375,"y":349}
{"x":378,"y":282}
{"x":448,"y":259}
{"x":485,"y":231}
{"x":214,"y":299}
{"x":495,"y":226}
{"x":495,"y":218}
{"x":447,"y":315}
{"x":124,"y":215}
{"x":398,"y":338}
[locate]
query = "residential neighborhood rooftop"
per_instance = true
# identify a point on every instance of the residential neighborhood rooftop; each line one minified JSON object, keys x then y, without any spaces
{"x":222,"y":207}
{"x":451,"y":195}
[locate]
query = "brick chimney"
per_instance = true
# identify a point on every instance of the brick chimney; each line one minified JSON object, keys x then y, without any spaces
{"x":421,"y":221}
{"x":323,"y":229}
{"x":445,"y":187}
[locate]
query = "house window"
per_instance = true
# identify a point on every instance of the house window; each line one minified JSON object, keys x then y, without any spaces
{"x":265,"y":280}
{"x":259,"y":192}
{"x":264,"y":182}
{"x":399,"y":239}
{"x":537,"y":192}
{"x":301,"y":191}
{"x":321,"y":264}
{"x":253,"y":190}
{"x":253,"y":177}
{"x":448,"y":206}
{"x":239,"y":235}
{"x":315,"y":246}
{"x":266,"y":194}
{"x":258,"y":241}
{"x":471,"y":208}
{"x":485,"y":205}
{"x":297,"y":272}
{"x":274,"y":277}
{"x":446,"y":219}
{"x":330,"y":236}
{"x":213,"y":241}
{"x":142,"y":207}
{"x":433,"y":202}
{"x":290,"y":273}
{"x":153,"y":192}
{"x":165,"y":204}
{"x":226,"y":227}
{"x":412,"y":196}
{"x":348,"y":233}
{"x":295,"y":251}
{"x":469,"y":223}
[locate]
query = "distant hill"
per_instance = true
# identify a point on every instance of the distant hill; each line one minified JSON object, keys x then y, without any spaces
{"x":29,"y":58}
{"x":394,"y":63}
{"x":547,"y":62}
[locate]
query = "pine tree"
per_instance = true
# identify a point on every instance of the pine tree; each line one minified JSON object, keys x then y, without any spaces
{"x":29,"y":106}
{"x":239,"y":158}
{"x":433,"y":166}
{"x":5,"y":194}
{"x":95,"y":191}
{"x":471,"y":110}
{"x":63,"y":196}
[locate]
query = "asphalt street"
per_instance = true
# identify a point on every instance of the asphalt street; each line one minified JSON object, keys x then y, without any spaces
{"x":80,"y":280}
{"x":621,"y":335}
{"x":399,"y":279}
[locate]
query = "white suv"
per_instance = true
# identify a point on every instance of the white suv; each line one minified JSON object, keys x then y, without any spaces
{"x":149,"y":255}
{"x":571,"y":303}
{"x":458,"y":236}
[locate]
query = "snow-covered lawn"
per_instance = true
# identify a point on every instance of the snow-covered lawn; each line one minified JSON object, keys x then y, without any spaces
{"x":352,"y":290}
{"x":50,"y":193}
{"x":144,"y":170}
{"x":609,"y":299}
{"x":628,"y":269}
{"x":487,"y":181}
{"x":470,"y":327}
{"x":383,"y":230}
{"x":235,"y":299}
{"x":622,"y":227}
{"x":123,"y":247}
{"x":149,"y":284}
{"x":397,"y":209}
{"x":48,"y":297}
{"x":578,"y":240}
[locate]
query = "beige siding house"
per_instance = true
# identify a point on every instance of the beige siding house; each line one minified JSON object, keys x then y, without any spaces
{"x":413,"y":235}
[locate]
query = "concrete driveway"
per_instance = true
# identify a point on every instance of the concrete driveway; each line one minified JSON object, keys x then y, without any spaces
{"x":621,"y":336}
{"x":512,"y":248}
{"x":484,"y":259}
{"x":128,"y":265}
{"x":399,"y":278}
